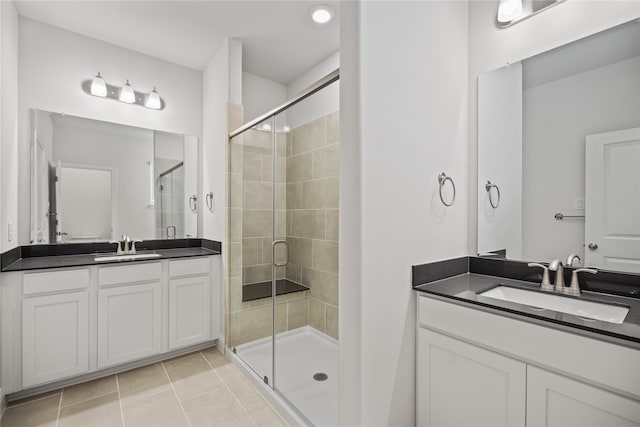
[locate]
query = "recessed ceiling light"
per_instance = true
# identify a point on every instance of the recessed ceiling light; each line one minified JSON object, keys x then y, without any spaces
{"x":321,"y":13}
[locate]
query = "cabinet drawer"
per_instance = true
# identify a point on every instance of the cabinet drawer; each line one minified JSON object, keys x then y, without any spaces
{"x":129,"y":273}
{"x":55,"y":281}
{"x":189,"y":267}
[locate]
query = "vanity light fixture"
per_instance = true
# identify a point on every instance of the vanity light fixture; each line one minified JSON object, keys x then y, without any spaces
{"x":98,"y":87}
{"x":126,"y":94}
{"x":321,"y":13}
{"x":513,"y":11}
{"x":153,"y":100}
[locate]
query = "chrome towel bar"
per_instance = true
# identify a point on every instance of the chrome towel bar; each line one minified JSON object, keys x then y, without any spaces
{"x":560,"y":216}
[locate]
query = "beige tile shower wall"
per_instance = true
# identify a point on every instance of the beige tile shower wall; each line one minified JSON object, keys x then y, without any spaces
{"x":257,"y":203}
{"x":313,"y":165}
{"x":249,"y":213}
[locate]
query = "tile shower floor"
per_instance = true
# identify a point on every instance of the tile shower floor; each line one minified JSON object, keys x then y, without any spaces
{"x":301,"y":354}
{"x":198,"y":389}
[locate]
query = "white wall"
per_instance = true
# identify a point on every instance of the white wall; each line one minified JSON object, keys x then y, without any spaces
{"x":491,"y":47}
{"x":219,"y":89}
{"x":9,"y":126}
{"x":412,"y":110}
{"x":168,"y":146}
{"x":260,"y":95}
{"x":558,"y":117}
{"x":222,"y":86}
{"x":323,"y":102}
{"x":53,"y":63}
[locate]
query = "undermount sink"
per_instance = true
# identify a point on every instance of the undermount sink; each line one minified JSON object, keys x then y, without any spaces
{"x":125,"y":257}
{"x":577,"y":307}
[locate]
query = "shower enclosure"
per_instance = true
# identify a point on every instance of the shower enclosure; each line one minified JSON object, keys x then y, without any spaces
{"x":283,"y":274}
{"x":171,"y":185}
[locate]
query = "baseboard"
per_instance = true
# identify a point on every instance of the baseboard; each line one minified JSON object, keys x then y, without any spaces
{"x":106,"y":372}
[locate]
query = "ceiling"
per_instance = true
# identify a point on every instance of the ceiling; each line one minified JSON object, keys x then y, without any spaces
{"x":280,"y":42}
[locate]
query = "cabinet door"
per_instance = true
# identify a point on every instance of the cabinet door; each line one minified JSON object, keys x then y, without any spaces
{"x":189,"y":311}
{"x":129,"y":323}
{"x":554,"y":400}
{"x":459,"y":384}
{"x":55,"y":340}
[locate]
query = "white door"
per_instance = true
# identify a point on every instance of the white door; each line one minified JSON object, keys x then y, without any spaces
{"x":459,"y":384}
{"x":189,"y":311}
{"x":55,"y":337}
{"x":86,"y":197}
{"x":58,"y":185}
{"x":557,"y":401}
{"x":612,"y":214}
{"x":129,"y":323}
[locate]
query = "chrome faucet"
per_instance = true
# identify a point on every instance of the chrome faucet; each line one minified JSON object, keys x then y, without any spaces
{"x":125,"y":245}
{"x":571,"y":260}
{"x":556,"y":265}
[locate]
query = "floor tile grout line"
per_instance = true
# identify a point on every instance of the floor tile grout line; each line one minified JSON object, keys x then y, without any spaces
{"x":59,"y":407}
{"x":231,"y":391}
{"x":164,"y":368}
{"x":86,"y":400}
{"x":119,"y":400}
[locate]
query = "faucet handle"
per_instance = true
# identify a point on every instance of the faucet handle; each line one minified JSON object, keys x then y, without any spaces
{"x":133,"y":245}
{"x":117,"y":242}
{"x":574,"y":289}
{"x":546,"y":283}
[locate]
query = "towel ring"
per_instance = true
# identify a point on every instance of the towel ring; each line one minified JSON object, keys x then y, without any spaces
{"x":211,"y":204}
{"x":193,"y":203}
{"x":442,"y":179}
{"x":488,"y":186}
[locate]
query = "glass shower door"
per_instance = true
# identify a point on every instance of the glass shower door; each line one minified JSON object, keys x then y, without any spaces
{"x":251,"y":319}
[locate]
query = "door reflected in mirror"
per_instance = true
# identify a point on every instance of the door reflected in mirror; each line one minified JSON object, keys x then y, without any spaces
{"x":559,"y":133}
{"x":95,"y":181}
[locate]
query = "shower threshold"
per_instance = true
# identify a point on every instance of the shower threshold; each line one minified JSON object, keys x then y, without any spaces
{"x":260,"y":290}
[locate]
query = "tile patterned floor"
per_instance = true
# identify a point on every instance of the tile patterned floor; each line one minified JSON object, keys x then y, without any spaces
{"x":199,"y":389}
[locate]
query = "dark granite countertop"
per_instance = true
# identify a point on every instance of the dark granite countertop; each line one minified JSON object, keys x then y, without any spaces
{"x":464,"y":289}
{"x":64,"y":261}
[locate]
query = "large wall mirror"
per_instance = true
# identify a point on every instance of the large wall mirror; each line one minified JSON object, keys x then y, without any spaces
{"x":94,"y":181}
{"x":559,"y":154}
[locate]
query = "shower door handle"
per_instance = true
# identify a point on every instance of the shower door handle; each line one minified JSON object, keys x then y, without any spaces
{"x":273,"y":253}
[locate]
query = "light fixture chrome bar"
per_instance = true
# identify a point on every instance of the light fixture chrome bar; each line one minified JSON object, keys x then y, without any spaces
{"x":113,"y":93}
{"x":317,"y":86}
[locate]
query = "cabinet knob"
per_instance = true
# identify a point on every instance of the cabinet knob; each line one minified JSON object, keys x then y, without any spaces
{"x":592,"y":246}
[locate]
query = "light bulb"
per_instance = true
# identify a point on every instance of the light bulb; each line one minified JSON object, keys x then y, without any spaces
{"x":126,"y":94}
{"x":321,"y":13}
{"x":98,"y":86}
{"x":509,"y":10}
{"x":153,"y":100}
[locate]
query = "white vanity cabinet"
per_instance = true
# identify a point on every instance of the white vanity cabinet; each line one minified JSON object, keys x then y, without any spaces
{"x":189,"y":302}
{"x":557,"y":401}
{"x":55,"y":326}
{"x":483,"y":369}
{"x":129,"y":313}
{"x":468,"y":385}
{"x":60,"y":323}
